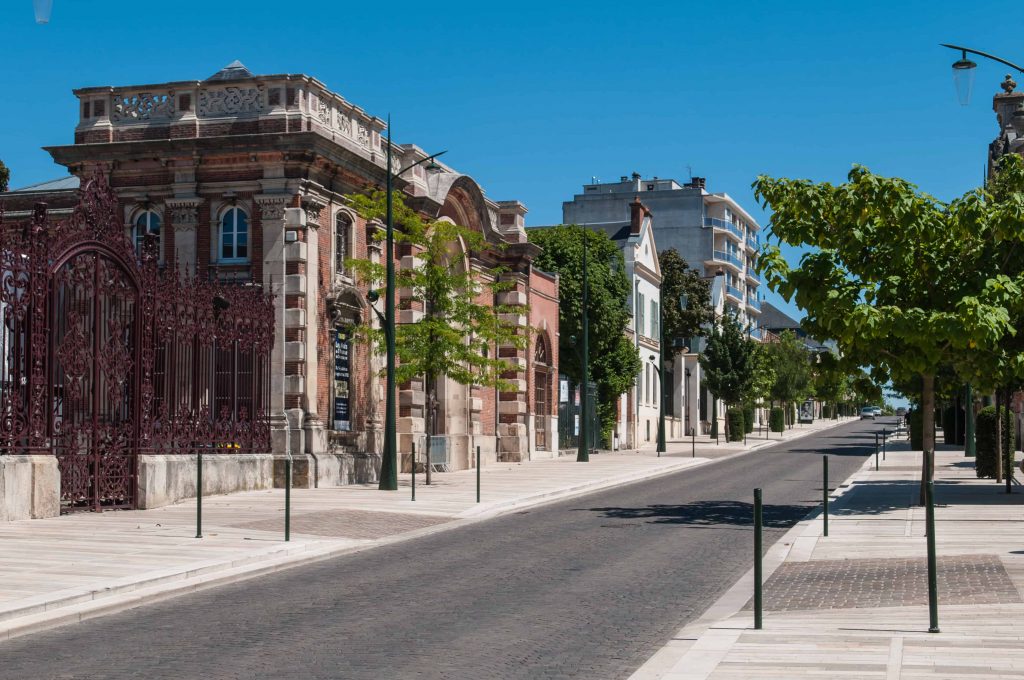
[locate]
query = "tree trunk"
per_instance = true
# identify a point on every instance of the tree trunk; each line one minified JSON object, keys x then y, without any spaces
{"x":431,"y":419}
{"x":927,"y":432}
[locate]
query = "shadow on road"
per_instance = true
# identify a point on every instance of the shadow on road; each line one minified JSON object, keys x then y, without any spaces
{"x":709,"y":513}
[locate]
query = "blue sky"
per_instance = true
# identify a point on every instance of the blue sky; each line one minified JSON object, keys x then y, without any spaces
{"x":534,"y":99}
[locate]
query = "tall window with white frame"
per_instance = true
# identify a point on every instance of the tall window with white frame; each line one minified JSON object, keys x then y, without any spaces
{"x":233,"y":244}
{"x":342,"y":231}
{"x":146,"y":223}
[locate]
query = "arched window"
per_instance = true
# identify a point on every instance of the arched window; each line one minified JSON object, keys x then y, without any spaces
{"x":541,"y":393}
{"x":342,"y":230}
{"x":148,"y":222}
{"x":234,"y":236}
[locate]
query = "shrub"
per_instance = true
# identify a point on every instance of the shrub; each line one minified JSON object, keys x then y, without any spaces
{"x":914,"y":424}
{"x":748,"y":418}
{"x":953,"y":425}
{"x":736,"y":427}
{"x":777,"y":419}
{"x":985,"y":442}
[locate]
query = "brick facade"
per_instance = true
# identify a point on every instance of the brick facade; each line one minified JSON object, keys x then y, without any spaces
{"x":286,"y":151}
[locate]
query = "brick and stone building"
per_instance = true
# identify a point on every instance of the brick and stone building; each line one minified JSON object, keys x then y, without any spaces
{"x":244,"y":178}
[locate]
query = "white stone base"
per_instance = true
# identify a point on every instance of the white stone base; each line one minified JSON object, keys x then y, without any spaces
{"x":166,"y":479}
{"x":29,"y":487}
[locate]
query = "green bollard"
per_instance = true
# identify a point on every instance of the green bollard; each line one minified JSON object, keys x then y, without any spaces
{"x":824,"y":491}
{"x":693,"y":442}
{"x":478,"y":474}
{"x":414,"y":470}
{"x":199,"y":494}
{"x":758,"y":573}
{"x":885,"y":435}
{"x":933,"y":597}
{"x":288,"y":498}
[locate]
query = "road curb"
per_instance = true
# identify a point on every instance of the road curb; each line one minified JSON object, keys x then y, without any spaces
{"x":741,"y":592}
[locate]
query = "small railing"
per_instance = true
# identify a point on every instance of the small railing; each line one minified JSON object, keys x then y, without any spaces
{"x":724,"y":224}
{"x":735,"y":292}
{"x":754,"y":303}
{"x":731,"y":258}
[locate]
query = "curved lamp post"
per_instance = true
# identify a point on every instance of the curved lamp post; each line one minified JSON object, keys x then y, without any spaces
{"x":964,"y":68}
{"x":963,"y":78}
{"x":389,"y":462}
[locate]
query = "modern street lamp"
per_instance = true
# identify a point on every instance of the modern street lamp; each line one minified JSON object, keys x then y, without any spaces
{"x":389,"y":462}
{"x":964,"y":68}
{"x":42,"y":8}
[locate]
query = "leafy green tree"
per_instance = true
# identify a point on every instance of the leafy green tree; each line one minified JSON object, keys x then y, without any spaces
{"x":614,"y":360}
{"x":679,"y":279}
{"x":895,"y":274}
{"x":5,"y":177}
{"x":830,"y":380}
{"x":457,"y":335}
{"x":726,"y":363}
{"x":792,"y":366}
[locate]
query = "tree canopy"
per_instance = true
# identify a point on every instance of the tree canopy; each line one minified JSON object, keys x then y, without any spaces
{"x":895,"y":274}
{"x":458,"y":332}
{"x":614,"y":360}
{"x":678,"y":279}
{"x":726,"y":361}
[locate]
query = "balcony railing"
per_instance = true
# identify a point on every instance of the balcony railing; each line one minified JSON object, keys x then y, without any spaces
{"x":735,"y":292}
{"x":754,"y":303}
{"x":755,"y":333}
{"x":754,"y":240}
{"x":731,"y":258}
{"x":722,"y":224}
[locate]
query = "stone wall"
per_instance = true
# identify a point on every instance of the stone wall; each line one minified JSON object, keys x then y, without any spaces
{"x":164,"y":480}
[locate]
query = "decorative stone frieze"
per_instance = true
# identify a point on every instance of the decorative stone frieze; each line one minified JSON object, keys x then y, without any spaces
{"x":272,"y":207}
{"x":141,"y":107}
{"x":230,"y":101}
{"x":184,"y":213}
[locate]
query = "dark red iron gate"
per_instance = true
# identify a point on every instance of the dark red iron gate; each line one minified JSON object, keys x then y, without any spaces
{"x":108,"y":355}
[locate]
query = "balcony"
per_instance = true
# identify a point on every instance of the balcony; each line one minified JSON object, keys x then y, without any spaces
{"x":755,"y":333}
{"x":754,"y":303}
{"x":732,"y":258}
{"x":734,"y":292}
{"x":752,"y":277}
{"x":754,"y":240}
{"x":727,"y":226}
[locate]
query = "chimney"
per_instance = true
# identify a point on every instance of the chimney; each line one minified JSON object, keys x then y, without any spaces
{"x":636,"y":176}
{"x":697,"y":183}
{"x":637,"y":212}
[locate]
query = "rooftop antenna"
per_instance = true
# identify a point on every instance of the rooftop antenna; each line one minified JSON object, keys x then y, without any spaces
{"x":689,"y":169}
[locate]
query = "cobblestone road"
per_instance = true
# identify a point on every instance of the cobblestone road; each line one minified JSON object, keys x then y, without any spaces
{"x":586,"y":588}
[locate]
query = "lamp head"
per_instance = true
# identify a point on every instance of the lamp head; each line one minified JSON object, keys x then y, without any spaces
{"x":372,"y":296}
{"x":963,"y":78}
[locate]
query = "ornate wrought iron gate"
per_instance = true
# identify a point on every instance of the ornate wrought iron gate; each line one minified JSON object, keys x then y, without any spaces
{"x":107,"y":355}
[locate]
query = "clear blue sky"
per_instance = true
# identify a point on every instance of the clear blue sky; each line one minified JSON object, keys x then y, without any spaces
{"x":533,"y":99}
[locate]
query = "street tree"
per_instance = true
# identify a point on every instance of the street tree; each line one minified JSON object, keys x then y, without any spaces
{"x":726,"y":364}
{"x":791,"y":363}
{"x":679,"y":279}
{"x":894,"y":274}
{"x":614,"y":361}
{"x":461,"y":327}
{"x":830,"y":380}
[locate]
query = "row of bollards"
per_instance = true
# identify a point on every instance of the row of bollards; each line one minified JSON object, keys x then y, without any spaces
{"x":933,"y":605}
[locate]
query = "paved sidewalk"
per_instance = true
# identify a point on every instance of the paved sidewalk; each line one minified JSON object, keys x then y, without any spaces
{"x":78,"y":566}
{"x":854,"y":604}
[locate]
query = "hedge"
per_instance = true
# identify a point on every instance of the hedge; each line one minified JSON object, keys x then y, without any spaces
{"x":951,"y":429}
{"x":748,"y":418}
{"x":735,"y":424}
{"x":985,"y":442}
{"x":914,"y":423}
{"x":777,"y":419}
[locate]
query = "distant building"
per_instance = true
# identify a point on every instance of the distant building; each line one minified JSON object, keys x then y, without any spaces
{"x":711,"y":231}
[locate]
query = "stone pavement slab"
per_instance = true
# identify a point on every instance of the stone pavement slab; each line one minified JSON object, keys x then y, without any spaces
{"x":854,"y":604}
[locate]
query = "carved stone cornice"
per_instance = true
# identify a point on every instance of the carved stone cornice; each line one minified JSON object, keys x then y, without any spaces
{"x":184,"y":212}
{"x":272,"y":206}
